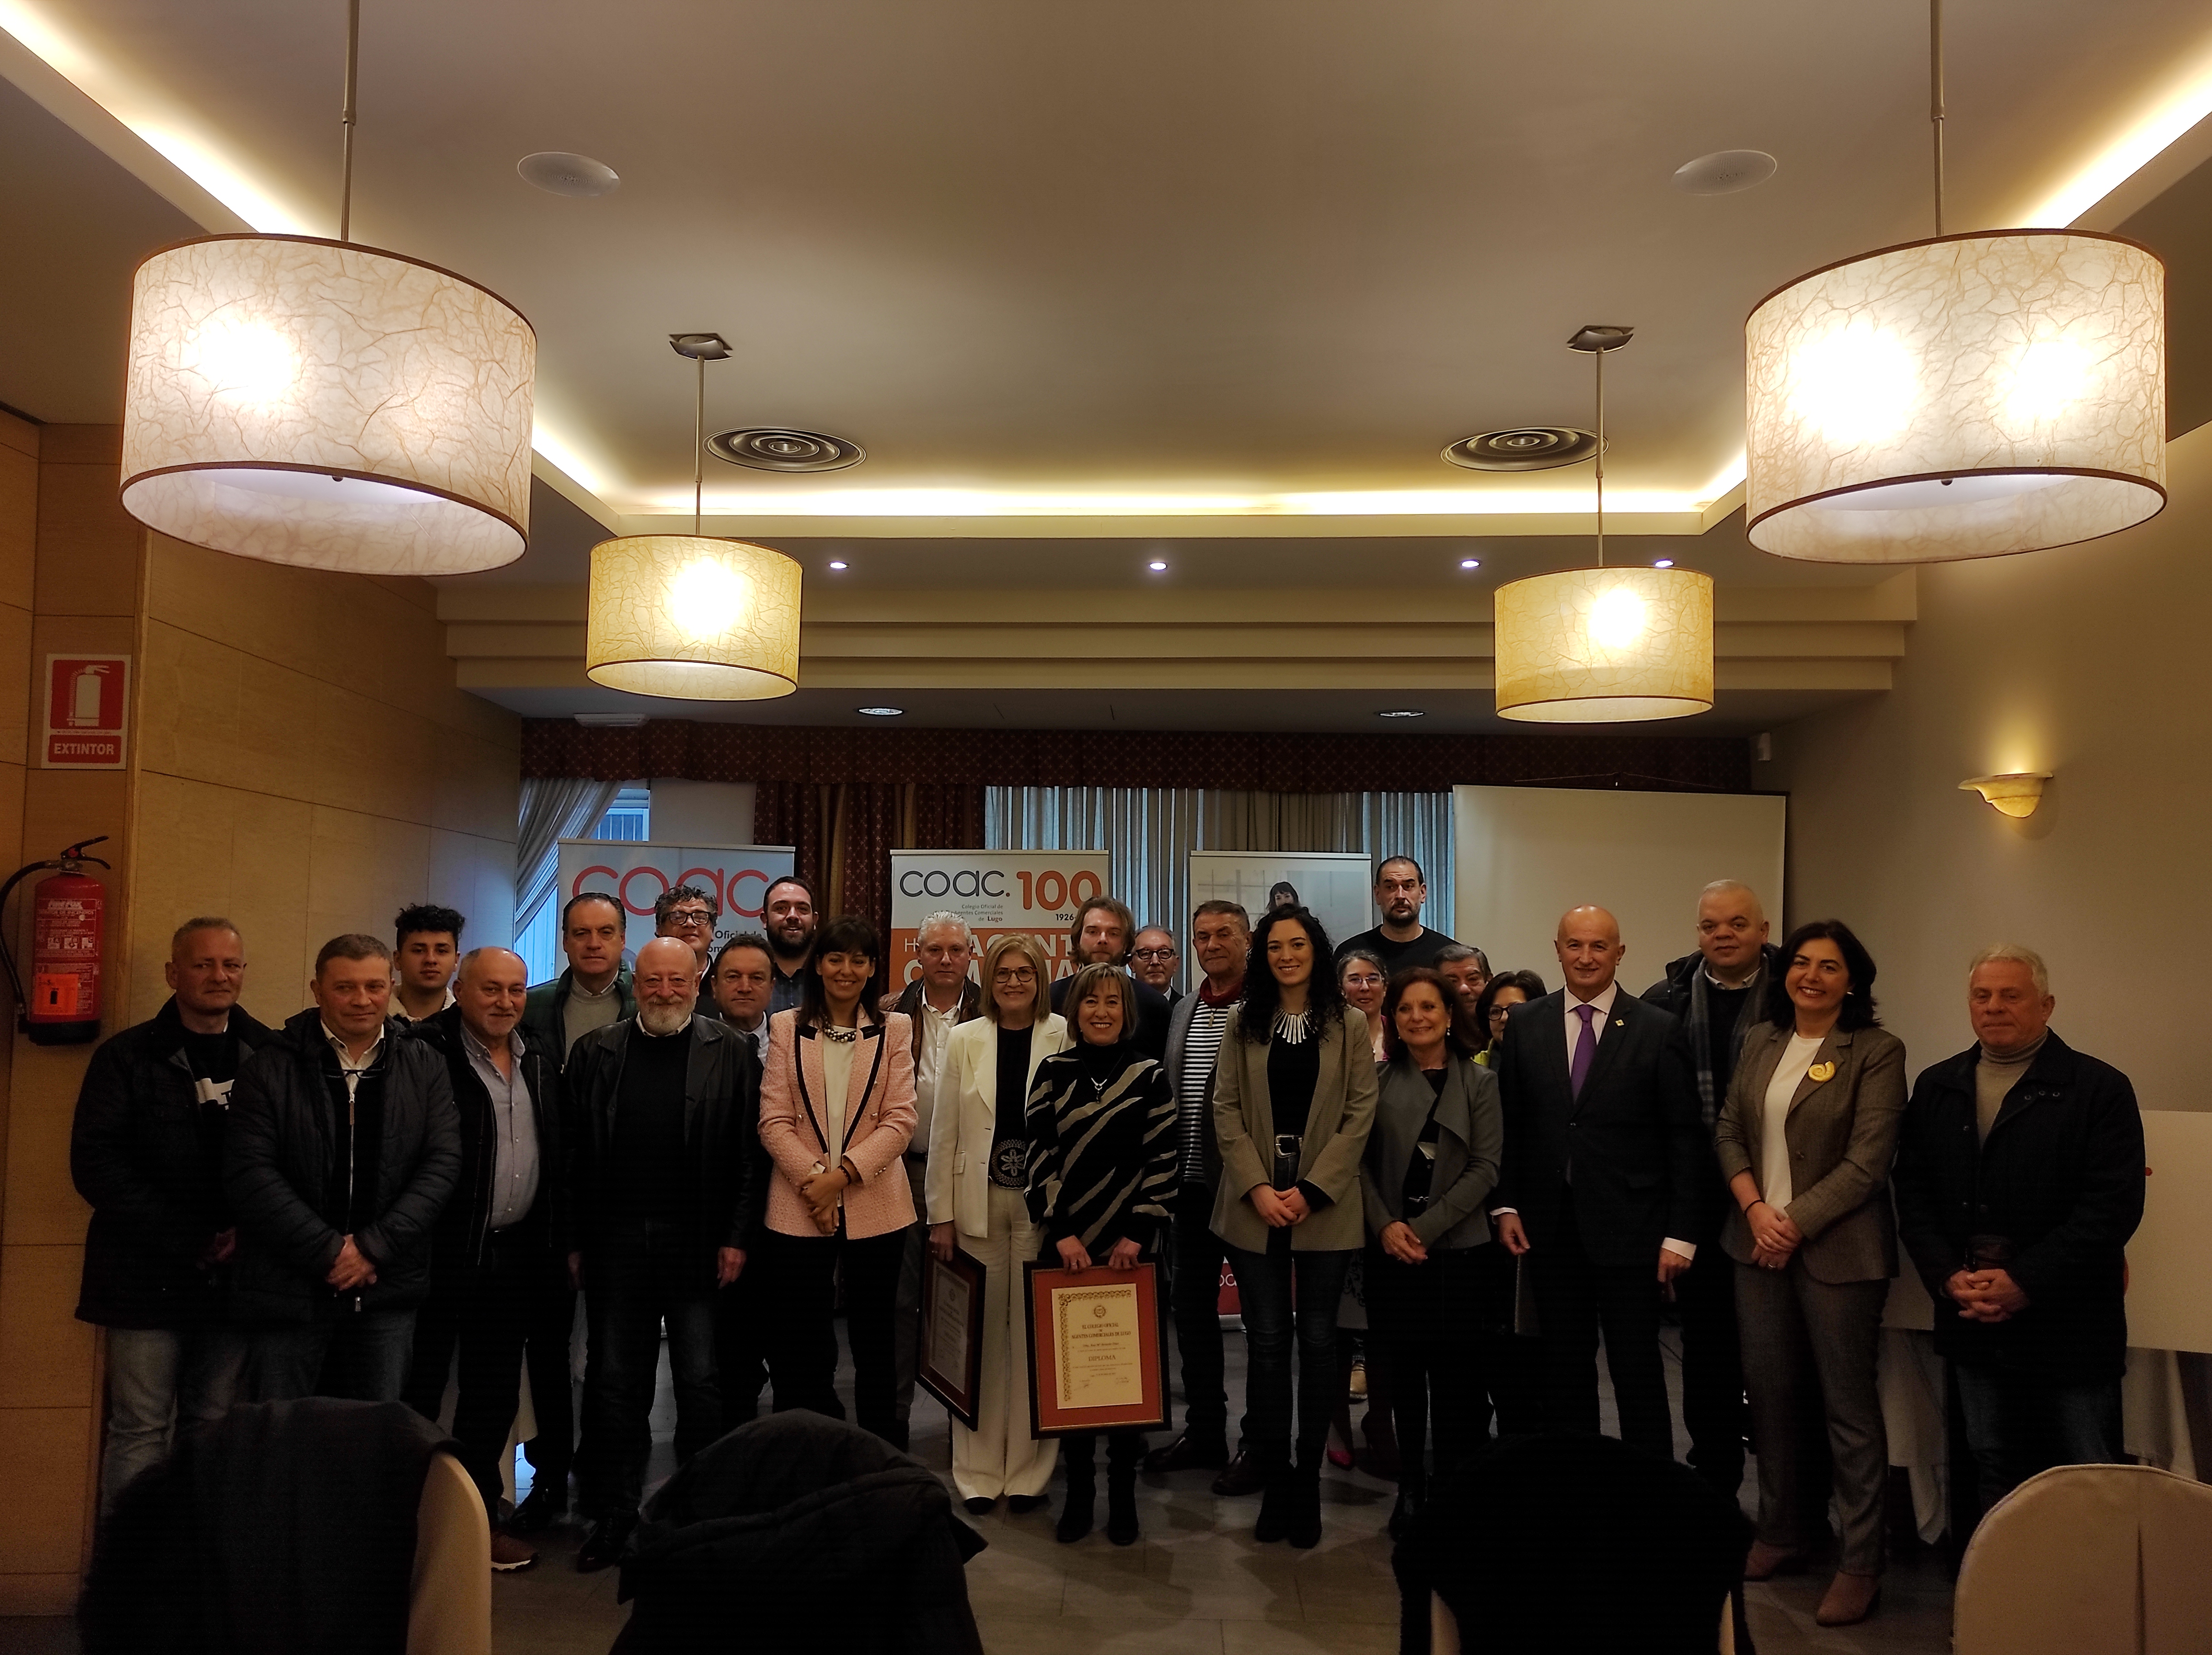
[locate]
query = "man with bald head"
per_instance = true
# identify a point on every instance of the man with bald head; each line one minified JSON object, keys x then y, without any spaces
{"x":666,"y":1112}
{"x":498,"y":1259}
{"x":1717,"y":992}
{"x":1603,"y":1159}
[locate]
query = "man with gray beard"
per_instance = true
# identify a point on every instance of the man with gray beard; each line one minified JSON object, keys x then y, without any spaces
{"x":667,"y":1109}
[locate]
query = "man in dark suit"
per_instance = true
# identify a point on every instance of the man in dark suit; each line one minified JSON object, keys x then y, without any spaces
{"x":1604,"y":1154}
{"x":1104,"y":932}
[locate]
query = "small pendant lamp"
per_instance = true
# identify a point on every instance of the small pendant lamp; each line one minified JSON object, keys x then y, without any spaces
{"x":1968,"y":395}
{"x":1604,"y":645}
{"x":316,"y":403}
{"x":689,"y":617}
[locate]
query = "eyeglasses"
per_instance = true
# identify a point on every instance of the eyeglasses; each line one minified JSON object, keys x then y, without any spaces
{"x":1015,"y":978}
{"x":692,"y":916}
{"x":1155,"y":954}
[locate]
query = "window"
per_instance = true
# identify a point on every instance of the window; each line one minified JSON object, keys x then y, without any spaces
{"x":629,"y":818}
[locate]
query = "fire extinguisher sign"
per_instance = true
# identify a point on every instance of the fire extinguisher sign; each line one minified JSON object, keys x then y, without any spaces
{"x":86,"y":696}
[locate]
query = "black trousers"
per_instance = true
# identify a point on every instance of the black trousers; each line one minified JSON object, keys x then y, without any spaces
{"x":1575,"y":1299}
{"x":742,"y":1312}
{"x":1425,"y":1319}
{"x":1714,"y":1408}
{"x":494,"y":1309}
{"x":638,"y":1277}
{"x":1512,"y":1363}
{"x":803,"y":1348}
{"x":1195,"y":1291}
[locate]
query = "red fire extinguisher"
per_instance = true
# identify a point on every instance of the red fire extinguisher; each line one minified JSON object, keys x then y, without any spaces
{"x":68,"y":923}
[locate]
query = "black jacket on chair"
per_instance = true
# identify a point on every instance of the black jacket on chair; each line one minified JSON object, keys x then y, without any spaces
{"x":137,"y":1153}
{"x":1638,"y":1147}
{"x":282,"y":1149}
{"x":460,"y":1231}
{"x":2060,"y":1179}
{"x":727,"y":1203}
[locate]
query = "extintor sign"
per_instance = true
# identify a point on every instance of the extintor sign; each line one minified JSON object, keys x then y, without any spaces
{"x":87,"y":698}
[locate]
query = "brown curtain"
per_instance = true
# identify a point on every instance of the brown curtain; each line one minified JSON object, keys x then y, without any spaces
{"x":843,"y":832}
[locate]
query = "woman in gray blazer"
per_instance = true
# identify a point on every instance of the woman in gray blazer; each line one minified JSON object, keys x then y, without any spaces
{"x":1806,"y":1139}
{"x":1293,"y":1098}
{"x":1432,"y":1162}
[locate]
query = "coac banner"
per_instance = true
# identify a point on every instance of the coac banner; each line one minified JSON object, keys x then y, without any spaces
{"x":636,"y":874}
{"x":1033,"y":891}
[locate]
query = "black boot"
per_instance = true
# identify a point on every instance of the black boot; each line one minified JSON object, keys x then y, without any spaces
{"x":1275,"y":1506}
{"x":1075,"y":1517}
{"x":1123,"y":1453}
{"x":1302,"y":1518}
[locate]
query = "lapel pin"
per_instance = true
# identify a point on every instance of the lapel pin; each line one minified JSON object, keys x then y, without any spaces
{"x":1821,"y":1071}
{"x":1620,"y":1022}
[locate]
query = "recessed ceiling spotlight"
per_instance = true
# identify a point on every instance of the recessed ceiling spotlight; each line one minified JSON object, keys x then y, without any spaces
{"x":1724,"y":171}
{"x":1522,"y":448}
{"x":1662,"y":563}
{"x":1156,"y":565}
{"x":779,"y":448}
{"x":1470,"y":563}
{"x":880,"y":711}
{"x":560,"y":174}
{"x":838,"y":563}
{"x":1401,"y":713}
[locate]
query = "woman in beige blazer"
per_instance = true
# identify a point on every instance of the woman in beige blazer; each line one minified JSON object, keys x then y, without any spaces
{"x":977,"y":1183}
{"x":836,"y":1111}
{"x":1293,"y":1100}
{"x":1806,"y":1139}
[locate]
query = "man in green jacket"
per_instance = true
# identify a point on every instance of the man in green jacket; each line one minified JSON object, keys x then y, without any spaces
{"x":593,"y":991}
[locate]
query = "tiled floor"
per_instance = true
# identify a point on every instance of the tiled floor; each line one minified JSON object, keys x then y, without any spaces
{"x":1195,"y":1584}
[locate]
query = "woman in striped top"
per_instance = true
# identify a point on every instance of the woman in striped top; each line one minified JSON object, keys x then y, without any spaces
{"x":1102,"y":1170}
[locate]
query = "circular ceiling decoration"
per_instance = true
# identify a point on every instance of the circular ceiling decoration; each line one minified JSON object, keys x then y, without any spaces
{"x":778,"y":448}
{"x":1522,"y":448}
{"x":558,"y":172}
{"x":1724,"y":171}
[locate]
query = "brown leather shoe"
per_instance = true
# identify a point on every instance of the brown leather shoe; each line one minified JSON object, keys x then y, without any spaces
{"x":511,"y":1554}
{"x":1850,"y":1598}
{"x":1246,"y":1475}
{"x":1766,"y":1561}
{"x":1191,"y":1452}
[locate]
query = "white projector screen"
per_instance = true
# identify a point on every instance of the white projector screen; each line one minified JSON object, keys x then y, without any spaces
{"x":1523,"y":856}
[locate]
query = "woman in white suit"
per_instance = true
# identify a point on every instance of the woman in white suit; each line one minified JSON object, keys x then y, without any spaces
{"x":978,"y":1172}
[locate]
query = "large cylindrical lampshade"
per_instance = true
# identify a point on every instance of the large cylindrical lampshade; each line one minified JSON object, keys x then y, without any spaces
{"x":316,"y":403}
{"x":1967,"y":396}
{"x":692,"y":618}
{"x":1605,"y":646}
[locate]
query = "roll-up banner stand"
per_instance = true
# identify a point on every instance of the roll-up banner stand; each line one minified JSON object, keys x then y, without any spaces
{"x":636,"y":874}
{"x":1033,"y":891}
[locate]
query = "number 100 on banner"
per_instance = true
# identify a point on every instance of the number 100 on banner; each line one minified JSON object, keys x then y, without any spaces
{"x":1038,"y":892}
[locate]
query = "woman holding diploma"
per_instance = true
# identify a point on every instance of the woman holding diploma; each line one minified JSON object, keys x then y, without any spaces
{"x":978,"y":1189}
{"x":1293,"y":1100}
{"x":1102,"y":1171}
{"x":836,"y":1110}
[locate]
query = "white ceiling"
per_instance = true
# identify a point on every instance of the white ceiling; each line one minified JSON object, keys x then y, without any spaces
{"x":1250,"y":246}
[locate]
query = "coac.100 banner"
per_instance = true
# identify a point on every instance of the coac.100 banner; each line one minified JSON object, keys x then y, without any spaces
{"x":1033,"y":891}
{"x":636,"y":874}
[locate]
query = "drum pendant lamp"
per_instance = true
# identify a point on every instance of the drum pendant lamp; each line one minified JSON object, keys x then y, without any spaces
{"x":317,"y":403}
{"x":1604,"y":645}
{"x":1967,"y":396}
{"x":689,"y":617}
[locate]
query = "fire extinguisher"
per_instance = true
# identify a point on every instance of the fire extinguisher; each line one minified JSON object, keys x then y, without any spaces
{"x":69,"y":923}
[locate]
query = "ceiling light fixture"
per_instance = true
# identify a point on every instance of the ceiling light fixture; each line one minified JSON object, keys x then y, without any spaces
{"x":687,"y":617}
{"x":1968,"y":395}
{"x":1604,"y":645}
{"x":1156,"y":565}
{"x":1724,"y":171}
{"x":881,"y":712}
{"x":1402,"y":712}
{"x":311,"y":402}
{"x":558,"y":172}
{"x":1522,"y":448}
{"x":1662,"y":563}
{"x":779,"y":448}
{"x":839,"y":563}
{"x":1470,"y":563}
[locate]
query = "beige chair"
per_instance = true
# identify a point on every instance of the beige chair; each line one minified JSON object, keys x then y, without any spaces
{"x":2090,"y":1560}
{"x":449,"y":1601}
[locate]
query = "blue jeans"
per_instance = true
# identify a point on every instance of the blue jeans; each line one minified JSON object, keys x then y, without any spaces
{"x":2017,"y":1426}
{"x":637,"y":1278}
{"x":1263,"y":1290}
{"x":158,"y":1379}
{"x":369,"y":1350}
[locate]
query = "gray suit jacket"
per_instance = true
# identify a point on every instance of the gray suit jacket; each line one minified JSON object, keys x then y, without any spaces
{"x":1470,"y":1138}
{"x":1336,"y":1137}
{"x":1842,"y":1136}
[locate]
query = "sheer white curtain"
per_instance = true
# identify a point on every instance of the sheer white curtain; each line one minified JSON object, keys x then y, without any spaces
{"x":1151,"y":831}
{"x":553,"y":809}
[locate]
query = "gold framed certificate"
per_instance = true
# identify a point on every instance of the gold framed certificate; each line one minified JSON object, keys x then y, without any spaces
{"x":1096,"y":1357}
{"x":952,"y":1365}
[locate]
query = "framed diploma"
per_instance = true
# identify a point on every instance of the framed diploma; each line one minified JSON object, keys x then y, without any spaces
{"x":1096,"y":1359}
{"x":951,"y":1366}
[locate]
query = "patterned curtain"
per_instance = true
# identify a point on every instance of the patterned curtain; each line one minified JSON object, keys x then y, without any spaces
{"x":842,"y":834}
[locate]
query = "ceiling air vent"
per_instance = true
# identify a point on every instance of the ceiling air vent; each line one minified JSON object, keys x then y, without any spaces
{"x":773,"y":448}
{"x":1522,"y":448}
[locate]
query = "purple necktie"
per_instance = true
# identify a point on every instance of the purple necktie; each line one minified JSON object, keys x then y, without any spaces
{"x":1585,"y":1050}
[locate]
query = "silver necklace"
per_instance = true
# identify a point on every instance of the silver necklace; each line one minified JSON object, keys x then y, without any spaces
{"x":1292,"y":1029}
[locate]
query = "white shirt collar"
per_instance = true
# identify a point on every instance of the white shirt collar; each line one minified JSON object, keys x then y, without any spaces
{"x":1602,"y":1001}
{"x":345,"y":1060}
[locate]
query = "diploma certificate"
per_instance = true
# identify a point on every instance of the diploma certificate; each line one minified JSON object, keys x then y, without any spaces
{"x":1097,"y":1355}
{"x":1094,"y":1333}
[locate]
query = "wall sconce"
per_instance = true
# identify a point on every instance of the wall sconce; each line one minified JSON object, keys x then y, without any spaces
{"x":2016,"y":793}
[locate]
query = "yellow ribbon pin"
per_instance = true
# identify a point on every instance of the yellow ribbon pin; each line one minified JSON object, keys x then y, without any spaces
{"x":1821,"y":1071}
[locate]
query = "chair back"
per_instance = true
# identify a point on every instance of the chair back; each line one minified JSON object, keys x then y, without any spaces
{"x":449,"y":1598}
{"x":2090,"y":1560}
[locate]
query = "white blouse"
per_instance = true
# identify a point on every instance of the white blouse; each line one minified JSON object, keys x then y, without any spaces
{"x":1774,"y":1140}
{"x":836,"y":1075}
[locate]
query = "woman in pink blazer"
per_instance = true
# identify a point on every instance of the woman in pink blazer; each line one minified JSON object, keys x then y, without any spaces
{"x":836,"y":1111}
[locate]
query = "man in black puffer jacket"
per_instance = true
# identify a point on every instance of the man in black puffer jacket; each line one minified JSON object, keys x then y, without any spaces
{"x":146,"y":1151}
{"x":343,"y":1149}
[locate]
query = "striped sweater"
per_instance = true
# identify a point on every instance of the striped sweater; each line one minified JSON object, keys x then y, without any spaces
{"x":1101,"y":1164}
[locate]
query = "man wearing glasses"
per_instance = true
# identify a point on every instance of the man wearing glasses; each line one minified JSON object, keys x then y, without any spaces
{"x":1154,"y":960}
{"x":688,"y":914}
